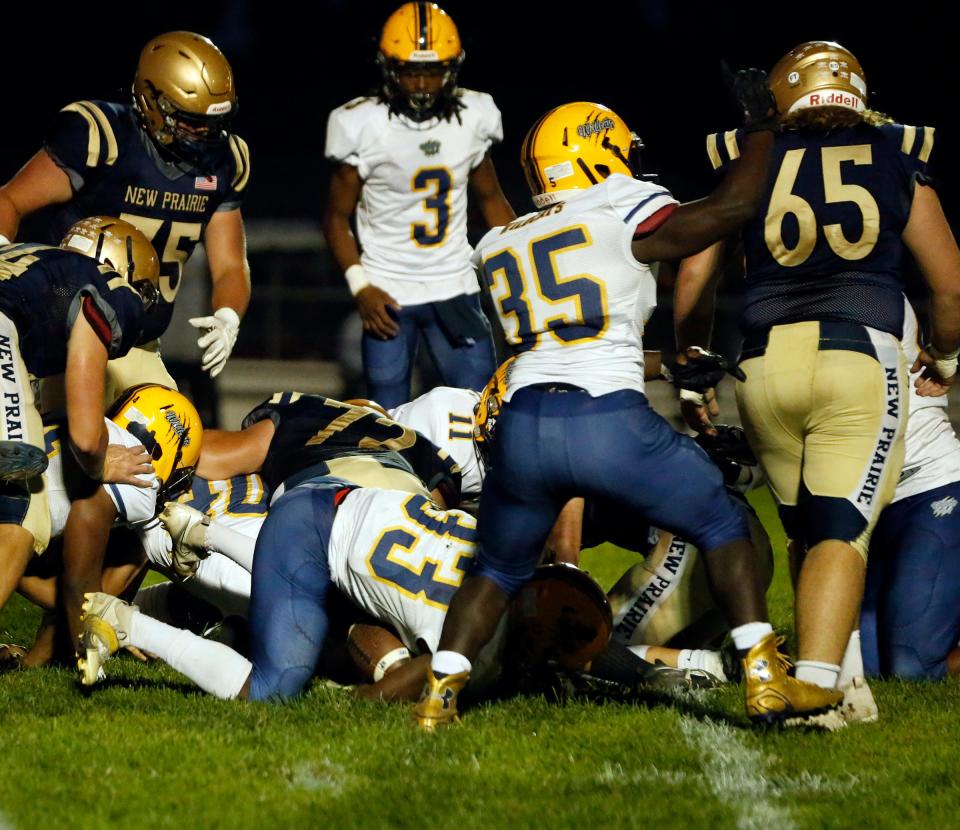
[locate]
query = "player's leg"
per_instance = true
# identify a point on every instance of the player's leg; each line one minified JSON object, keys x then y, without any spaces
{"x":918,"y":621}
{"x":460,"y":343}
{"x":853,"y":452}
{"x":388,"y":364}
{"x":517,"y":510}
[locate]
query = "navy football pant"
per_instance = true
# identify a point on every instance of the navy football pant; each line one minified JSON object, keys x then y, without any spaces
{"x":388,"y":364}
{"x":288,"y":619}
{"x":554,"y":445}
{"x":910,"y":618}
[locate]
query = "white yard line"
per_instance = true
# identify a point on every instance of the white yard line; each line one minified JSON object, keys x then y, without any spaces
{"x":737,"y":775}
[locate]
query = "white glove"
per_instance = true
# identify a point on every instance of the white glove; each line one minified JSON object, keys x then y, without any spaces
{"x":221,"y":334}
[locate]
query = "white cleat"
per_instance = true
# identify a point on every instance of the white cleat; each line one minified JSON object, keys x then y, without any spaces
{"x":187,"y":527}
{"x":858,"y":705}
{"x":106,"y":625}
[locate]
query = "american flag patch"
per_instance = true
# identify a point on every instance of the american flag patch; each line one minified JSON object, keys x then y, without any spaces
{"x":205,"y":183}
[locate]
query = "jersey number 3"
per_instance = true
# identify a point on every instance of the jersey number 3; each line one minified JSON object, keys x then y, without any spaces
{"x":438,"y":181}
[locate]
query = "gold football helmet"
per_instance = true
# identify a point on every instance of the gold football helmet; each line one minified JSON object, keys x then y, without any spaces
{"x":117,"y":243}
{"x":420,"y":39}
{"x":817,"y":74}
{"x":487,"y":410}
{"x":184,"y":93}
{"x":167,"y":424}
{"x":574,"y":147}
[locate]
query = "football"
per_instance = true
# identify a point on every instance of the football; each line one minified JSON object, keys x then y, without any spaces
{"x":375,"y":650}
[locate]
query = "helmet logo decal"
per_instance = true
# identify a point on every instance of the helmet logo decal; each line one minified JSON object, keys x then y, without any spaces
{"x":595,"y":127}
{"x":430,"y":148}
{"x":177,"y":426}
{"x":220,"y":108}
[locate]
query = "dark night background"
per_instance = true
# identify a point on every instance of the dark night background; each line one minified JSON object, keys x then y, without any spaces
{"x":656,"y":63}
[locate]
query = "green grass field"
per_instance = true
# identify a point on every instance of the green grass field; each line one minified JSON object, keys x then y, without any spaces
{"x":147,"y":750}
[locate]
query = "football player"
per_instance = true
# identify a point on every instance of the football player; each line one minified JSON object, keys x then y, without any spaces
{"x":65,"y":310}
{"x":910,"y":620}
{"x":824,"y":401}
{"x":153,"y":417}
{"x":166,"y":163}
{"x":404,"y":159}
{"x":168,"y":426}
{"x":573,"y":280}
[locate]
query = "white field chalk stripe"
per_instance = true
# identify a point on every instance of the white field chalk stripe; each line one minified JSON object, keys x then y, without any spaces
{"x":737,"y":775}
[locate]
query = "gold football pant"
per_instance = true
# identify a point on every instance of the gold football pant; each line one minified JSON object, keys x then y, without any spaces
{"x":22,"y":503}
{"x":824,"y":408}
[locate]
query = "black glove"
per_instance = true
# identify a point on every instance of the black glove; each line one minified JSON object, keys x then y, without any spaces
{"x":703,"y":371}
{"x":753,"y":96}
{"x":730,"y":444}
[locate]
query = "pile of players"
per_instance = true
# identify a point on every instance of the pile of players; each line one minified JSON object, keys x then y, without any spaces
{"x":325,"y":524}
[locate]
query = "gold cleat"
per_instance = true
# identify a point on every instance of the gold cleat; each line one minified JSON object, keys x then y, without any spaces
{"x":438,"y":701}
{"x":106,"y":621}
{"x":773,"y":696}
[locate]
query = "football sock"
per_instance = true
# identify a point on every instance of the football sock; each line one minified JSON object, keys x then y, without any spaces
{"x":702,"y":659}
{"x":640,"y":651}
{"x":820,"y":674}
{"x":223,"y":583}
{"x":618,"y":664}
{"x":214,"y":667}
{"x":152,"y":601}
{"x":238,"y":546}
{"x":449,"y":662}
{"x":746,"y":636}
{"x":852,"y":664}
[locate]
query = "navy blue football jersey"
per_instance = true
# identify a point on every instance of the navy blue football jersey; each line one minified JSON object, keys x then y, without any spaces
{"x":312,"y":430}
{"x":826,"y":242}
{"x":116,"y":170}
{"x":43,"y":289}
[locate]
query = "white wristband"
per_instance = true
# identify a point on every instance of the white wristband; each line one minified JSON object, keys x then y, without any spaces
{"x":946,"y":362}
{"x":390,"y":659}
{"x":694,"y":397}
{"x":356,"y":278}
{"x":4,"y":240}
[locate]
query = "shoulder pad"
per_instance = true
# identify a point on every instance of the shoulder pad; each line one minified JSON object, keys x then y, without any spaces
{"x":102,"y":145}
{"x":241,"y":159}
{"x":915,"y":142}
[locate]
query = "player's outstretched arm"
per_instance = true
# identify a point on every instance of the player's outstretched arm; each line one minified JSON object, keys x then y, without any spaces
{"x":696,"y":225}
{"x":934,"y":248}
{"x":86,"y":368}
{"x":485,"y":187}
{"x":227,"y":453}
{"x":37,"y":184}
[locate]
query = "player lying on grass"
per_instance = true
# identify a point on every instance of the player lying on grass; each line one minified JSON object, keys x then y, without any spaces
{"x":396,"y":555}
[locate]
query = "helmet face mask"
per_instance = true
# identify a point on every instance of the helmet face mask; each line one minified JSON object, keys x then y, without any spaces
{"x":487,"y":410}
{"x":419,"y":57}
{"x":119,"y":245}
{"x":574,"y":147}
{"x":169,"y":427}
{"x":185,"y":96}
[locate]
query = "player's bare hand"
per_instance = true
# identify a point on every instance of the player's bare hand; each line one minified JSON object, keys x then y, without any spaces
{"x":374,"y":305}
{"x":11,"y":656}
{"x":698,"y":414}
{"x":128,"y":465}
{"x":930,"y":384}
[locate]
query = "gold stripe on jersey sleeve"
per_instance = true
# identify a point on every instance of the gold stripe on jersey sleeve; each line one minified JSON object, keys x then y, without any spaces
{"x":730,"y":139}
{"x":713,"y":152}
{"x":909,"y":138}
{"x":101,"y":117}
{"x":241,"y":156}
{"x":93,"y":134}
{"x":927,"y":147}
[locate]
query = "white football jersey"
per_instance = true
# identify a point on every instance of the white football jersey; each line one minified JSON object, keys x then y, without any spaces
{"x":571,"y":297}
{"x":444,"y":415}
{"x":400,"y":558}
{"x":932,"y":450}
{"x":135,"y":505}
{"x":412,"y":213}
